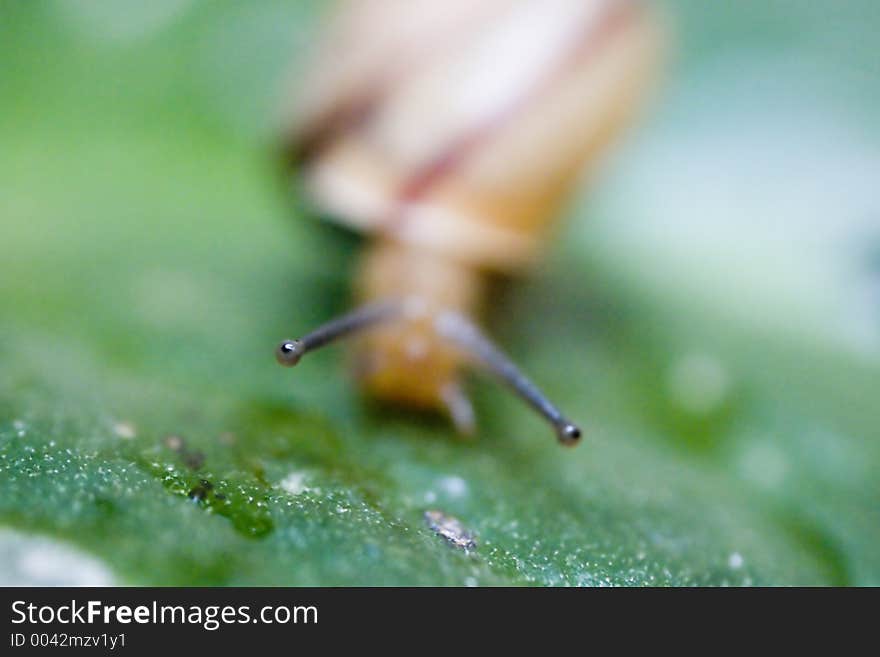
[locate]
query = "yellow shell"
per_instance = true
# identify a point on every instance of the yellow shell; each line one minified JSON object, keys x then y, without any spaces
{"x":459,"y":127}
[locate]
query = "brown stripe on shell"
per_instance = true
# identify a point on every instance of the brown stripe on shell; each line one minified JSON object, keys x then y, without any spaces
{"x":314,"y":138}
{"x":306,"y":147}
{"x":588,"y":44}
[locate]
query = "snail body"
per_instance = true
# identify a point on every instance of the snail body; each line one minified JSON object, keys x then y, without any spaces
{"x":452,"y":133}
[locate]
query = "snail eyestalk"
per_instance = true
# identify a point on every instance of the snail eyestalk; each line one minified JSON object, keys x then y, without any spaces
{"x":460,"y":410}
{"x":467,"y":336}
{"x":289,"y":352}
{"x":458,"y":331}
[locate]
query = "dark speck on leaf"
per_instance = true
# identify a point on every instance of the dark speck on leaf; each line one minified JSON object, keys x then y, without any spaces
{"x":451,"y":529}
{"x":201,"y":491}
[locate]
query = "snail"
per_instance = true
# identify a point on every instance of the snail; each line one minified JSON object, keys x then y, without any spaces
{"x":451,"y":134}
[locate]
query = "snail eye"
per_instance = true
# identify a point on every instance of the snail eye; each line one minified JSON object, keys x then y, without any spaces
{"x":568,"y":434}
{"x":289,"y":352}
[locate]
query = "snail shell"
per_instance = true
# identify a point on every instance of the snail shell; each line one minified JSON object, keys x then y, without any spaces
{"x":459,"y":127}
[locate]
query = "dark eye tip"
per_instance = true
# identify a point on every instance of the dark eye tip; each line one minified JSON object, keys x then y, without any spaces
{"x":289,"y":352}
{"x":569,"y":434}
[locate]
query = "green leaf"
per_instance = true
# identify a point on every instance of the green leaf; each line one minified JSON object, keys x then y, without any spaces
{"x":152,"y":259}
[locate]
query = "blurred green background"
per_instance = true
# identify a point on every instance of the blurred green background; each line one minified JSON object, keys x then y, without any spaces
{"x":710,"y":313}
